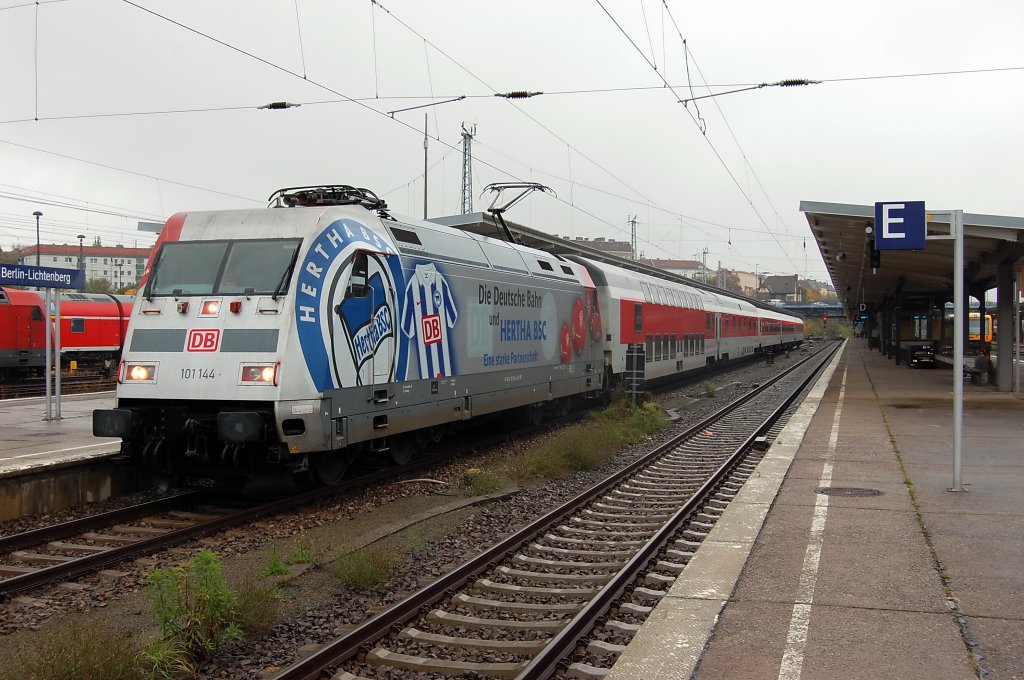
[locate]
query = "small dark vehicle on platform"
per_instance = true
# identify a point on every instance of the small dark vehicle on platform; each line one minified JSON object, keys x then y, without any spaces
{"x":922,"y":355}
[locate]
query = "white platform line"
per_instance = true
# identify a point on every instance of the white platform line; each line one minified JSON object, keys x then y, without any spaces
{"x":800,"y":622}
{"x":73,"y":448}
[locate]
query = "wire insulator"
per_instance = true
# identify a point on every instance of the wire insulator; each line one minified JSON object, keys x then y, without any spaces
{"x":793,"y":82}
{"x":517,"y":94}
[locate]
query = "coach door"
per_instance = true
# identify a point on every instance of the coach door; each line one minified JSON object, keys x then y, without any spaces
{"x":364,"y":333}
{"x":718,"y":335}
{"x":29,"y":330}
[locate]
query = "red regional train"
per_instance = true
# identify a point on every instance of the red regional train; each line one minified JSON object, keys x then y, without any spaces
{"x":92,"y":329}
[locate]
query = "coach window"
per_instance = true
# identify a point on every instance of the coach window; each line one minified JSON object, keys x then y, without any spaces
{"x":638,"y":317}
{"x":664,"y":346}
{"x":650,"y":348}
{"x":78,"y":325}
{"x":675,"y":346}
{"x":36,"y":314}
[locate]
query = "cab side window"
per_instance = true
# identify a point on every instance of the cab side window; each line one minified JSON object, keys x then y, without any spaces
{"x":357,"y":282}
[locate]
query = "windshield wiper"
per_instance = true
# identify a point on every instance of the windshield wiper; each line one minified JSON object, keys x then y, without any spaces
{"x":287,"y":273}
{"x":148,"y":292}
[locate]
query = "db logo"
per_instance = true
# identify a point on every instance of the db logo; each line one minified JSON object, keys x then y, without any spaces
{"x":431,"y":329}
{"x":203,"y":340}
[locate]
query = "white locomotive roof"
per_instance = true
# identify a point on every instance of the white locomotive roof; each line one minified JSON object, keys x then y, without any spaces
{"x":416,"y":238}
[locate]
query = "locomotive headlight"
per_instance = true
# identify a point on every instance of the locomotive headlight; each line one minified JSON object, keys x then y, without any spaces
{"x":139,"y":372}
{"x":259,"y":374}
{"x":210,"y":308}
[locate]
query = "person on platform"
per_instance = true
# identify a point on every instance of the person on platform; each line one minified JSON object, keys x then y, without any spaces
{"x":984,"y":367}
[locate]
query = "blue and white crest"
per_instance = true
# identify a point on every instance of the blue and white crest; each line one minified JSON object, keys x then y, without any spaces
{"x":348,"y":338}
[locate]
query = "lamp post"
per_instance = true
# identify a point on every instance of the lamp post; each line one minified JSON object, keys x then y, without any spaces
{"x":38,"y":215}
{"x":81,"y":259}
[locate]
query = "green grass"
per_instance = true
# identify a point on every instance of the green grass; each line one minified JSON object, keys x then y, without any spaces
{"x":482,"y":482}
{"x":275,"y":567}
{"x":303,"y":551}
{"x":74,"y":650}
{"x":414,"y":541}
{"x":194,"y":606}
{"x":258,"y":606}
{"x":367,"y":568}
{"x":587,"y":445}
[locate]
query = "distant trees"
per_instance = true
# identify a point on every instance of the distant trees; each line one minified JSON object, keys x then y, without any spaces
{"x":98,"y":285}
{"x":831,"y":329}
{"x":9,"y":256}
{"x":725,"y":279}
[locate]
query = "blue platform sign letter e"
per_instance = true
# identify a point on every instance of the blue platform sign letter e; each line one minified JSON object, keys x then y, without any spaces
{"x":899,"y":225}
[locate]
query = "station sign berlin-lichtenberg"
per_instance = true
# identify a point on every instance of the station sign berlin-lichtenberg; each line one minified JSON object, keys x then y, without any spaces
{"x":41,"y":277}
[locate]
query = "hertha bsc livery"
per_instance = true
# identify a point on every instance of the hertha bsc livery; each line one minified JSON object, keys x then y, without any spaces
{"x":428,"y":314}
{"x":366,"y":320}
{"x":346,"y":320}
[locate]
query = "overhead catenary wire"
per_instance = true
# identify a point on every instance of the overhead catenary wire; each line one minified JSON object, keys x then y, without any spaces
{"x":661,"y":65}
{"x":510,"y":95}
{"x":131,"y":172}
{"x":782,"y":83}
{"x":298,"y":27}
{"x":570,"y":204}
{"x":316,"y":83}
{"x":740,"y":87}
{"x":711,"y":145}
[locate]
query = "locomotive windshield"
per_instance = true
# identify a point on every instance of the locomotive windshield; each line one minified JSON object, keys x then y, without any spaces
{"x":224,"y":267}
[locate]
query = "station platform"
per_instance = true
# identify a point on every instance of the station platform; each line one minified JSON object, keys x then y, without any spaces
{"x":29,"y":443}
{"x":846,"y":556}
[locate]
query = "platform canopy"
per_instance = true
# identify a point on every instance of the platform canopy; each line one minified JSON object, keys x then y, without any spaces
{"x":840,"y":230}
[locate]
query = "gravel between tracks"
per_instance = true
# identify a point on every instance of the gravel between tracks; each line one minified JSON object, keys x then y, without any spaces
{"x":317,"y":608}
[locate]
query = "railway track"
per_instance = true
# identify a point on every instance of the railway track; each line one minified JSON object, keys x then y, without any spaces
{"x":521,"y":608}
{"x":65,"y":551}
{"x":70,"y":383}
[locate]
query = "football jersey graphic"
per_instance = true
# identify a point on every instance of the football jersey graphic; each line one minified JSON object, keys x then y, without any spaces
{"x":428,"y":313}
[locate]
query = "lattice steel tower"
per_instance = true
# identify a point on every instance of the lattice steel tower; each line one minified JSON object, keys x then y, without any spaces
{"x":467,"y":169}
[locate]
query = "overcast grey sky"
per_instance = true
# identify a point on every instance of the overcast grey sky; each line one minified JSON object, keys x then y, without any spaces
{"x":147,"y":108}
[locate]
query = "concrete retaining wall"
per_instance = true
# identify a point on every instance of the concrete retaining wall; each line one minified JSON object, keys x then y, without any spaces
{"x":59,"y":487}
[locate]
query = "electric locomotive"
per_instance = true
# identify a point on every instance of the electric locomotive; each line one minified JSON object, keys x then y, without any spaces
{"x":266,"y":343}
{"x":292,"y":339}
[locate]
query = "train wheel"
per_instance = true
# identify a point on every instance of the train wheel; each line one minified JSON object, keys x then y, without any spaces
{"x":402,"y":450}
{"x":535,"y":414}
{"x":329,"y":469}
